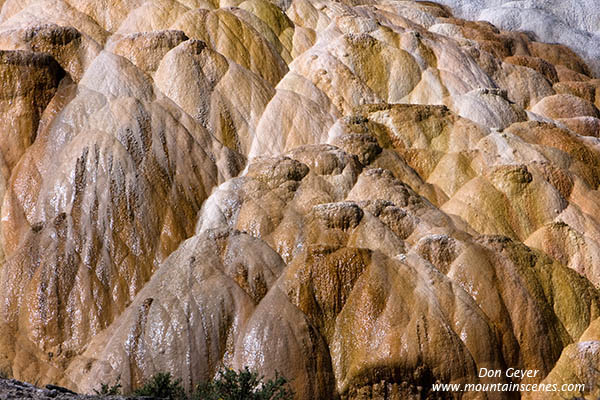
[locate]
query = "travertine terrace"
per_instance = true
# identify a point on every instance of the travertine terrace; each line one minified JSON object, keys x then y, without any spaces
{"x":368,"y":196}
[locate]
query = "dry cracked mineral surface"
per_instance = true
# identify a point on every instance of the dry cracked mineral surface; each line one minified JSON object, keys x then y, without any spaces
{"x":368,"y":196}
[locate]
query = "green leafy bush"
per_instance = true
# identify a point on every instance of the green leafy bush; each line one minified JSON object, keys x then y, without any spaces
{"x":243,"y":385}
{"x":162,"y":386}
{"x":109,"y":390}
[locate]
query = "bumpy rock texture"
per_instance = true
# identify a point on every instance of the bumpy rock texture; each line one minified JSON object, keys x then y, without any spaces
{"x":366,"y":196}
{"x":574,"y":23}
{"x":16,"y":390}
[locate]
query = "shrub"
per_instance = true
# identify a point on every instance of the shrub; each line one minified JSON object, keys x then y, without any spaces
{"x":243,"y":385}
{"x":109,"y":390}
{"x":162,"y":386}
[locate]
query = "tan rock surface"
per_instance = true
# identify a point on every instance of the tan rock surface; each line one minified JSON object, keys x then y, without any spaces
{"x":366,"y":196}
{"x":565,"y":74}
{"x":77,"y":205}
{"x":29,"y":82}
{"x":565,"y":106}
{"x":577,"y":365}
{"x":584,"y":126}
{"x":352,"y":283}
{"x":537,"y":64}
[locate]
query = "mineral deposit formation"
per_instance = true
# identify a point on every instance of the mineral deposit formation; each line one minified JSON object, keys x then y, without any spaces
{"x":368,"y":196}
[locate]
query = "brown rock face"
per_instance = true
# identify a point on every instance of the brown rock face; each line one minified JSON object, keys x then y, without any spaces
{"x":559,"y":55}
{"x":368,"y":197}
{"x":565,"y":106}
{"x":537,"y":64}
{"x":349,"y":284}
{"x":29,"y":82}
